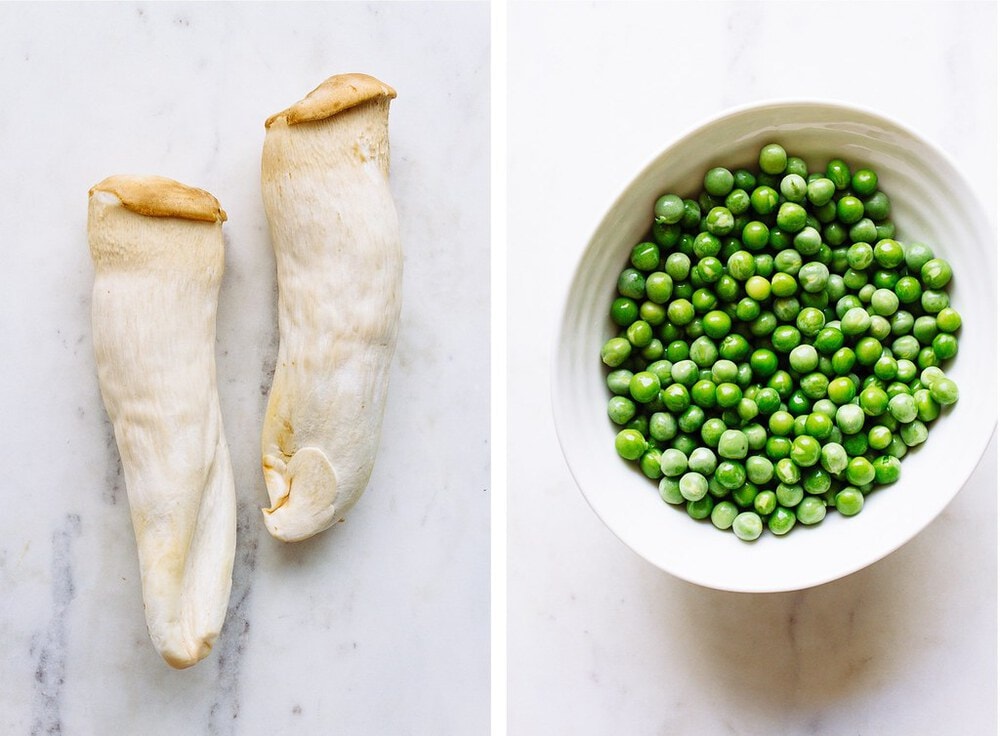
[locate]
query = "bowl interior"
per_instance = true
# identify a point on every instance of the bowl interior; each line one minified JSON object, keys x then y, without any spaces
{"x":931,"y":203}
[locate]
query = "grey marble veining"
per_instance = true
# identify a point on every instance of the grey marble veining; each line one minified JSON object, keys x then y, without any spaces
{"x":48,"y":646}
{"x":381,"y":625}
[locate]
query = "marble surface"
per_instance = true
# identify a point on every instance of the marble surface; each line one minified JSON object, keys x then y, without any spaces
{"x":380,"y":625}
{"x":599,"y":641}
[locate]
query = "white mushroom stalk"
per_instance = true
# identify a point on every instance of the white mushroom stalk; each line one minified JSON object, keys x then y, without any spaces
{"x":158,"y":257}
{"x":324,"y":175}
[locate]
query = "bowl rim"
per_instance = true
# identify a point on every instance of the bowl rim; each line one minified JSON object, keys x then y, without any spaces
{"x":975,"y":204}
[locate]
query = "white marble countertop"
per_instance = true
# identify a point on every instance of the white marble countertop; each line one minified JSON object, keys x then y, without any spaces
{"x":599,"y":641}
{"x":379,"y":626}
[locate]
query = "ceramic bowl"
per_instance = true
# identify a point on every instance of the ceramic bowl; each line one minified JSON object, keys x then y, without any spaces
{"x":931,"y":203}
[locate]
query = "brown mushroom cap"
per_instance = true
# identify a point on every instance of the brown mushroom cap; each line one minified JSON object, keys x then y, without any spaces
{"x":158,"y":196}
{"x":336,"y":94}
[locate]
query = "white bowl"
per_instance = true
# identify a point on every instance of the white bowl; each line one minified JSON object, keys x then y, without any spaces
{"x":931,"y":203}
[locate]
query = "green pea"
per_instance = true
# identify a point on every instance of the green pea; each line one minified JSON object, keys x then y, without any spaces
{"x":864,"y":182}
{"x":814,"y":277}
{"x":798,"y":405}
{"x":908,"y":290}
{"x":879,"y":436}
{"x":885,"y":278}
{"x":700,"y":509}
{"x":632,"y":284}
{"x":781,"y":521}
{"x":765,"y":502}
{"x":816,"y":481}
{"x":624,"y":311}
{"x":680,"y":312}
{"x":820,"y":191}
{"x":670,"y":491}
{"x":903,"y":408}
{"x":887,"y":469}
{"x":849,"y":501}
{"x":789,"y":495}
{"x":944,"y":391}
{"x":818,"y":425}
{"x":934,"y":300}
{"x":785,"y":337}
{"x":834,"y":233}
{"x":763,"y":201}
{"x":932,"y":375}
{"x":719,"y":181}
{"x":673,"y":462}
{"x":748,"y":526}
{"x":693,"y":486}
{"x":808,"y":241}
{"x":662,"y":426}
{"x":733,"y":445}
{"x":839,"y":173}
{"x":755,"y":234}
{"x":618,"y":381}
{"x":855,"y":321}
{"x":791,"y":217}
{"x":935,"y":273}
{"x":649,"y":464}
{"x":620,"y":409}
{"x":873,"y":400}
{"x":850,"y":209}
{"x":868,"y":350}
{"x":880,"y":328}
{"x":616,"y":351}
{"x":659,"y":287}
{"x":678,"y":266}
{"x":730,"y":474}
{"x":702,"y":461}
{"x":772,"y":159}
{"x":863,"y":231}
{"x":669,"y":209}
{"x":805,"y":451}
{"x":814,"y":385}
{"x":640,"y":424}
{"x":810,"y":511}
{"x":683,"y":442}
{"x":645,"y":386}
{"x":723,"y":514}
{"x":927,"y":357}
{"x":645,"y":256}
{"x":828,"y":340}
{"x":948,"y":320}
{"x":877,"y":206}
{"x":886,"y":367}
{"x":897,"y":448}
{"x":888,"y":253}
{"x":639,"y":333}
{"x":734,"y":347}
{"x":906,"y":370}
{"x":850,"y":418}
{"x":905,"y":347}
{"x":692,"y":214}
{"x":833,"y":458}
{"x":859,"y":471}
{"x":744,"y":179}
{"x":691,"y":419}
{"x":885,"y":302}
{"x":914,"y":433}
{"x":630,"y":444}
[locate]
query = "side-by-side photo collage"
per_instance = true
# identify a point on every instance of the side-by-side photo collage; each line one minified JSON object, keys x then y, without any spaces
{"x":499,"y":367}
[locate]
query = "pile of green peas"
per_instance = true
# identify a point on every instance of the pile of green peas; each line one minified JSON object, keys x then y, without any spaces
{"x":778,"y":350}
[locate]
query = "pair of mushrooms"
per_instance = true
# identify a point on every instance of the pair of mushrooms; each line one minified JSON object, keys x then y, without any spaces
{"x":157,"y":249}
